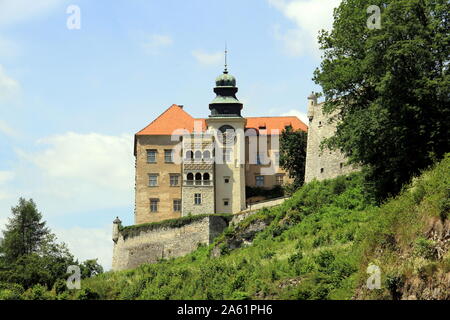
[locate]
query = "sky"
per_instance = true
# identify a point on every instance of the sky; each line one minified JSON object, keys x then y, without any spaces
{"x":71,"y":99}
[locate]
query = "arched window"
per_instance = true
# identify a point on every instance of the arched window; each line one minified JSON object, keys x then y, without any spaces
{"x":198,"y":155}
{"x":189,"y":155}
{"x":206,"y":155}
{"x":198,"y":179}
{"x":190,"y":179}
{"x":206,"y":179}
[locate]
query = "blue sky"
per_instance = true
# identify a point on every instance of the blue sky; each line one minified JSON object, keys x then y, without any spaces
{"x":71,"y":100}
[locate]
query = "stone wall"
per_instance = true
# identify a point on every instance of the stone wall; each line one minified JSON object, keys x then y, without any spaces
{"x":207,"y":196}
{"x":322,"y":164}
{"x":164,"y":192}
{"x":148,"y":245}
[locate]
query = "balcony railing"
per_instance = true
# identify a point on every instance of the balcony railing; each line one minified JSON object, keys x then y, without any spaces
{"x":198,"y":182}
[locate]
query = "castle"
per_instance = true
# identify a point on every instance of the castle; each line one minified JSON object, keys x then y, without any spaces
{"x":187,"y":167}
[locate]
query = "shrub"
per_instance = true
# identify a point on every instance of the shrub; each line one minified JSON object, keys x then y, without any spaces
{"x":87,"y":294}
{"x":37,"y":292}
{"x":425,"y":248}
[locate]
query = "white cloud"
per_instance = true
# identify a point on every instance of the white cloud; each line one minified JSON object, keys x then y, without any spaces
{"x":7,"y":130}
{"x":14,"y":11}
{"x":155,"y":42}
{"x":208,"y":58}
{"x":79,"y":172}
{"x":89,"y":243}
{"x":8,"y":86}
{"x":301,"y":115}
{"x":71,"y":176}
{"x":309,"y":16}
{"x":6,"y":176}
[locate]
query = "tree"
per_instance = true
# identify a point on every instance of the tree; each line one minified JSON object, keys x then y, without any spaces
{"x":29,"y":253}
{"x":389,"y":86}
{"x":90,"y":268}
{"x":24,"y":232}
{"x":293,"y":154}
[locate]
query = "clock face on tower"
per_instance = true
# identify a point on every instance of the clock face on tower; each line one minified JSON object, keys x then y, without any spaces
{"x":227,"y":135}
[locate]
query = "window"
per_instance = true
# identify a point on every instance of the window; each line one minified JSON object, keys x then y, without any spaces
{"x":206,"y":179}
{"x":168,"y":156}
{"x":189,"y":155}
{"x":198,"y":199}
{"x":260,"y":181}
{"x":279,"y":179}
{"x":198,"y":179}
{"x":227,"y":155}
{"x":153,"y":180}
{"x":276,"y":155}
{"x":226,"y":202}
{"x":190,"y":179}
{"x":177,"y":205}
{"x":226,"y":179}
{"x":151,"y":156}
{"x":174,"y":180}
{"x":321,"y":170}
{"x":341,"y":165}
{"x":198,"y":155}
{"x":154,"y":205}
{"x":206,"y":155}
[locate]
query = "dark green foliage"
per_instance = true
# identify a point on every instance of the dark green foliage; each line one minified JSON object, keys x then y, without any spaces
{"x":275,"y":192}
{"x":390,"y":87}
{"x":293,"y":155}
{"x":293,"y":265}
{"x":90,"y":268}
{"x":31,"y":257}
{"x":394,"y":282}
{"x":87,"y":294}
{"x":25,"y":232}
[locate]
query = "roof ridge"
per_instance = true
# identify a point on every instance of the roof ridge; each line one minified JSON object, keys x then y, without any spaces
{"x":173,"y":105}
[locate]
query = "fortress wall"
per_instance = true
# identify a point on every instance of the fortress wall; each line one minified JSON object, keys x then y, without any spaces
{"x":148,"y":246}
{"x":322,"y":164}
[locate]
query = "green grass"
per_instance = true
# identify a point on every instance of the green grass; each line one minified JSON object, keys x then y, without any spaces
{"x":317,"y":245}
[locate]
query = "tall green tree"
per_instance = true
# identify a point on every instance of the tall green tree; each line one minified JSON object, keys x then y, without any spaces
{"x":293,"y":154}
{"x":390,"y":87}
{"x":30,"y":254}
{"x":25,"y":231}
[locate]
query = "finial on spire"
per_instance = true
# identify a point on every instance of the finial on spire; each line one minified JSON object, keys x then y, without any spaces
{"x":226,"y":65}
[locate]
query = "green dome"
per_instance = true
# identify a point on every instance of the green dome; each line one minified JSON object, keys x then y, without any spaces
{"x":225,"y":80}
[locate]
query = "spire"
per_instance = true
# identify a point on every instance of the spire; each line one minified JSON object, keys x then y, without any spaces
{"x":226,"y":65}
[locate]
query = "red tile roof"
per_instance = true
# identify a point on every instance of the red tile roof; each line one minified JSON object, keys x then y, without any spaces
{"x":273,"y":123}
{"x":176,"y":118}
{"x":170,"y":120}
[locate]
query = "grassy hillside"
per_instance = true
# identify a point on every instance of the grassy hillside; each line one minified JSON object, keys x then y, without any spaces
{"x":317,"y":245}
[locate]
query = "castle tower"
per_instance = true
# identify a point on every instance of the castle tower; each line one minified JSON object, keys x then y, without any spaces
{"x":198,"y":174}
{"x":227,"y":126}
{"x":322,"y":163}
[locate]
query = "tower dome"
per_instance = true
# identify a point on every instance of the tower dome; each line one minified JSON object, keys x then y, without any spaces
{"x":225,"y":80}
{"x":225,"y":104}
